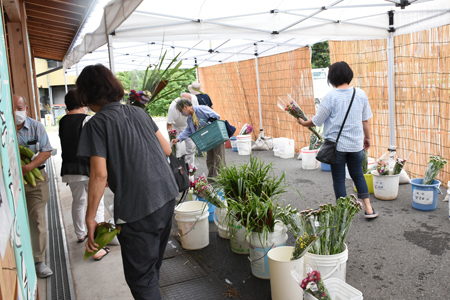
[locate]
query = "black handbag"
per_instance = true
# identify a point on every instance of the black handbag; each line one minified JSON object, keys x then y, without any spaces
{"x":180,"y":171}
{"x":328,"y":149}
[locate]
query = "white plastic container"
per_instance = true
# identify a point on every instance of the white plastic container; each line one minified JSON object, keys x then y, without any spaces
{"x":193,"y":226}
{"x":244,"y":144}
{"x":276,"y":146}
{"x":309,"y":161}
{"x":259,"y":247}
{"x":385,"y":187}
{"x":282,"y":285}
{"x":281,"y":143}
{"x":288,"y":151}
{"x":338,"y":290}
{"x":329,"y":266}
{"x":238,"y":241}
{"x":220,"y":219}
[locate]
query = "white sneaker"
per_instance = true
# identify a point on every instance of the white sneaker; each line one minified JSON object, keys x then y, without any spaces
{"x":42,"y":270}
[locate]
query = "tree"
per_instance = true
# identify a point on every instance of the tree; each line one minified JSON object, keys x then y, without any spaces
{"x":320,"y":55}
{"x":133,"y":80}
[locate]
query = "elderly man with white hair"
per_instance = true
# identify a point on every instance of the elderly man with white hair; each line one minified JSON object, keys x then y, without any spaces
{"x":175,"y":120}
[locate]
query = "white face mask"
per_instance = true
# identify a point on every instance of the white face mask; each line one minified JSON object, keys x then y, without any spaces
{"x":185,"y":113}
{"x":20,"y":116}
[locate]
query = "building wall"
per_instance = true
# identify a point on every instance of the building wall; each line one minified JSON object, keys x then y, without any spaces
{"x":56,"y":78}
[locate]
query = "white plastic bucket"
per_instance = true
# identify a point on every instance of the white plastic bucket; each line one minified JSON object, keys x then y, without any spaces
{"x":193,"y":226}
{"x":329,"y":266}
{"x":288,"y":149}
{"x":276,"y":146}
{"x":282,"y":285}
{"x":338,"y":289}
{"x":309,"y":161}
{"x":238,"y":242}
{"x":244,"y":144}
{"x":221,"y":220}
{"x":385,"y":187}
{"x":259,"y":247}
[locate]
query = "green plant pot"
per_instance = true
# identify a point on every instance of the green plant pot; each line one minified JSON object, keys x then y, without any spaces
{"x":369,"y":181}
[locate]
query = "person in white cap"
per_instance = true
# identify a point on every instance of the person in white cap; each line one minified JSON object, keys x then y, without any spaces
{"x":203,"y":99}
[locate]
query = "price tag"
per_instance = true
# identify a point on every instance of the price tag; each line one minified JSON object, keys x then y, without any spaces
{"x":378,"y":184}
{"x":423,"y":197}
{"x":313,"y":287}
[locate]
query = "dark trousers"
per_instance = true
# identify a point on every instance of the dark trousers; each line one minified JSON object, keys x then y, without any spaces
{"x":354,"y":165}
{"x":143,"y":244}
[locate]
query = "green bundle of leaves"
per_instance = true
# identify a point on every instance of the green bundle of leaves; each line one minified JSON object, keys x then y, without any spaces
{"x":104,"y":234}
{"x":163,"y":84}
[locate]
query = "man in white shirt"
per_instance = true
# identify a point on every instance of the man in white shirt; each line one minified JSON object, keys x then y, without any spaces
{"x":175,"y":120}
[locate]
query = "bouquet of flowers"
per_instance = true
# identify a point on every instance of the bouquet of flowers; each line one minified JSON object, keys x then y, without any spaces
{"x":435,"y":164}
{"x":104,"y":234}
{"x":203,"y":189}
{"x":294,"y":110}
{"x":304,"y":237}
{"x":246,"y":129}
{"x":192,"y":170}
{"x":140,"y":98}
{"x":330,"y":223}
{"x":382,"y":167}
{"x":399,"y":164}
{"x":302,"y":245}
{"x":313,"y":284}
{"x":173,"y":135}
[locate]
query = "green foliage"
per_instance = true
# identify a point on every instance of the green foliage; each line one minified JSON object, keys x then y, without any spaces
{"x":134,"y":80}
{"x":320,"y":57}
{"x":250,"y":191}
{"x":175,"y":87}
{"x":131,"y":80}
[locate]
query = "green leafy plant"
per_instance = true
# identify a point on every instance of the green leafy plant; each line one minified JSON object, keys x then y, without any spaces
{"x":156,"y":83}
{"x":251,"y":191}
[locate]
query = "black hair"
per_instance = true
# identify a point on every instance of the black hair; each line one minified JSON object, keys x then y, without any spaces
{"x":71,"y":100}
{"x":339,"y":73}
{"x":97,"y":85}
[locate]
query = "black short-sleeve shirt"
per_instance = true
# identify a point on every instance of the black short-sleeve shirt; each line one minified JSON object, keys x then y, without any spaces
{"x":204,"y":99}
{"x":138,"y":171}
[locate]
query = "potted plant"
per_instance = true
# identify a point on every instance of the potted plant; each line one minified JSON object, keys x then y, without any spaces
{"x":327,"y":228}
{"x":250,"y":191}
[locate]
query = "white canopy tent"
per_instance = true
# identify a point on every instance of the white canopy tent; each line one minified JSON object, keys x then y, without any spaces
{"x":209,"y":32}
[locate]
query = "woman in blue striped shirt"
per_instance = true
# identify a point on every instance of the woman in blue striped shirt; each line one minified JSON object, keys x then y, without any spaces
{"x":355,"y":136}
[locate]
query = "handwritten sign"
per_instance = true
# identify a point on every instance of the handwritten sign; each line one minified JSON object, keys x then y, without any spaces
{"x":423,"y":197}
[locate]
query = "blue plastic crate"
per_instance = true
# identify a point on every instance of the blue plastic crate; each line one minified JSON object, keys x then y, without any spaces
{"x":210,"y":136}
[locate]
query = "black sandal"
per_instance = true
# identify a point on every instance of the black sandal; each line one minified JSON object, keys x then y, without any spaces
{"x":106,"y":250}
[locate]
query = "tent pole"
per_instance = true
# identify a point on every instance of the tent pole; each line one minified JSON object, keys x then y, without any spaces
{"x":110,"y":47}
{"x":391,"y":88}
{"x":65,"y":80}
{"x":257,"y":86}
{"x":111,"y":54}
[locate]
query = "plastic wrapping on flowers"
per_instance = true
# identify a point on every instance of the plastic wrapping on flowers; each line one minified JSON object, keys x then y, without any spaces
{"x":435,"y":165}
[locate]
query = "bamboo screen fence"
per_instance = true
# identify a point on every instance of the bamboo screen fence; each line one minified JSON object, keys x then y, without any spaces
{"x":233,"y":91}
{"x":422,"y":99}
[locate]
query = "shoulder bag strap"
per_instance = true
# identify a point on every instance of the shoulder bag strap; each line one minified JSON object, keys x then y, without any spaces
{"x":346,"y":115}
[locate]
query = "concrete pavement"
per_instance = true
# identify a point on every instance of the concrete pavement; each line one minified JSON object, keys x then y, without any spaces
{"x":403,"y":254}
